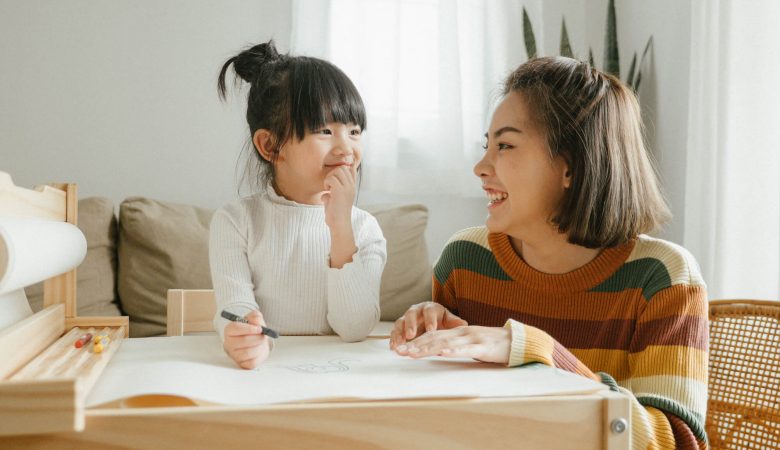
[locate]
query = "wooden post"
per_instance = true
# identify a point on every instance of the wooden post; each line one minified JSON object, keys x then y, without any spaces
{"x":62,"y":288}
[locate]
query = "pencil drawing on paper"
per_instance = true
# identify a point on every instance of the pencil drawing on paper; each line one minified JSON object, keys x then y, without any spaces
{"x":335,"y":365}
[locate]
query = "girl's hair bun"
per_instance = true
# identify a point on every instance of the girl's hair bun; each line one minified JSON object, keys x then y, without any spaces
{"x":249,"y":63}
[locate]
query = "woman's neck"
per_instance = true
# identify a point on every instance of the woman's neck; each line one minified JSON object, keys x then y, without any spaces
{"x":552,"y":253}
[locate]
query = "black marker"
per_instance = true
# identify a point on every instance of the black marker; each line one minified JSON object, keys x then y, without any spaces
{"x":234,"y":318}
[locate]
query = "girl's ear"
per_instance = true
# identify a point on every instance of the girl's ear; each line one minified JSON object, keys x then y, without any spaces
{"x":264,"y":143}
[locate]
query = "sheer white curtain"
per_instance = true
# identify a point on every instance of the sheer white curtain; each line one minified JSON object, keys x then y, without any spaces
{"x":732,"y":205}
{"x":429,"y":72}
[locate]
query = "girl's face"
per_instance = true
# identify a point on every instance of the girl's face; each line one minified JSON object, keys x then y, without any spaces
{"x":523,"y":183}
{"x":302,"y":165}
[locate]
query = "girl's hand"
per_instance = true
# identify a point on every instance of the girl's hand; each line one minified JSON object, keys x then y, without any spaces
{"x":244,"y":342}
{"x":340,"y":184}
{"x":487,"y":344}
{"x":433,"y":315}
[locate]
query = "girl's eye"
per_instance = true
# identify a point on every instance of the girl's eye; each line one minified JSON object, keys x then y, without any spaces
{"x":324,"y":131}
{"x":504,"y":147}
{"x":355,"y":132}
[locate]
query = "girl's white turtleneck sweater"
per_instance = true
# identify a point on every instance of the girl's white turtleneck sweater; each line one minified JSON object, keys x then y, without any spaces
{"x":272,"y":254}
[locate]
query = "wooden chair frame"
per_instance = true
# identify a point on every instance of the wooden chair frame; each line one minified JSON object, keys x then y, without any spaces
{"x":743,"y":408}
{"x":190,"y":310}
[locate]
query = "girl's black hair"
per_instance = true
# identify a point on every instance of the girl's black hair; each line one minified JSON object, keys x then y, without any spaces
{"x":290,"y":96}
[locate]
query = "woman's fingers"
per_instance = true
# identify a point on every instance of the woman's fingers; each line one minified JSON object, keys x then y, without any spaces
{"x":432,"y":315}
{"x":450,"y":320}
{"x":489,"y":344}
{"x":397,"y":334}
{"x":420,"y":318}
{"x":412,"y":320}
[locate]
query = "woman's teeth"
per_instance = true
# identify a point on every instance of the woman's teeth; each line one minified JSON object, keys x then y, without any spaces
{"x":496,"y":197}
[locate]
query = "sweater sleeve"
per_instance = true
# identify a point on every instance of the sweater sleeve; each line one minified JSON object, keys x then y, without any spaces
{"x":667,"y":380}
{"x":230,"y":271}
{"x":353,"y":290}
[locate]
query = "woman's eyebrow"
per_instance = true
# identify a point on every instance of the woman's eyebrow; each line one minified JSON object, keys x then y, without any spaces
{"x":503,"y":130}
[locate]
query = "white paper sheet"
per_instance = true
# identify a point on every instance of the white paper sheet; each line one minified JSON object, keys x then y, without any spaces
{"x":312,"y":368}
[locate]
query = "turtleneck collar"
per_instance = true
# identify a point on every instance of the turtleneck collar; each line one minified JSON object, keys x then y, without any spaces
{"x":279,"y":200}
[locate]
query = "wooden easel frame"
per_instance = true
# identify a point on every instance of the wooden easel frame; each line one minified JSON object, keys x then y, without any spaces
{"x":43,"y":383}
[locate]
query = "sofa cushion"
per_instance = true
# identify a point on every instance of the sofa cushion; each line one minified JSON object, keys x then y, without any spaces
{"x":161,"y":246}
{"x":96,"y":276}
{"x":406,"y":279}
{"x":165,"y":246}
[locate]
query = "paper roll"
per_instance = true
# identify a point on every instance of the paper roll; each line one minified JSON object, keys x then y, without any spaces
{"x":34,"y":250}
{"x":13,"y":308}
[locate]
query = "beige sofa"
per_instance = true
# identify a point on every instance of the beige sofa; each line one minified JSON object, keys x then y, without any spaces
{"x":152,"y":246}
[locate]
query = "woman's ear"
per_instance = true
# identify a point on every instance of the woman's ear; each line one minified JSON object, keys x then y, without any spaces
{"x":566,"y":175}
{"x":264,"y":143}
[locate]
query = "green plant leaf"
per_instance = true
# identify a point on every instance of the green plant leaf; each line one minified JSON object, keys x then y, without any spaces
{"x":611,"y":55}
{"x":635,"y":86}
{"x":565,"y":46}
{"x":630,"y":79}
{"x":528,"y":36}
{"x":590,"y":57}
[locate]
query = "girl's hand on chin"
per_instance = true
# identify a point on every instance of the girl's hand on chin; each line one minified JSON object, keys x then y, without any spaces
{"x":486,"y":344}
{"x":340,"y":195}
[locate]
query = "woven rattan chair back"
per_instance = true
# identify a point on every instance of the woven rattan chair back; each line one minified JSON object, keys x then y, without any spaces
{"x":743,"y":410}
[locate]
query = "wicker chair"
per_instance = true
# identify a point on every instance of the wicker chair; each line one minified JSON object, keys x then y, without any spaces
{"x":743,"y":409}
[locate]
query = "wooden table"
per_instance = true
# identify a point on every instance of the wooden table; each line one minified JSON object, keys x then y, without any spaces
{"x":582,"y":421}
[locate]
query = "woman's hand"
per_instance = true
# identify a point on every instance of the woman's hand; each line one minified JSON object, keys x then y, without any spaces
{"x":422,"y":317}
{"x":487,"y":344}
{"x":244,"y":342}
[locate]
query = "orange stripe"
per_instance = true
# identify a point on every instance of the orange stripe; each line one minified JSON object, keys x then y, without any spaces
{"x":670,"y":360}
{"x":664,"y":439}
{"x":512,"y":295}
{"x":613,"y":362}
{"x":677,"y":300}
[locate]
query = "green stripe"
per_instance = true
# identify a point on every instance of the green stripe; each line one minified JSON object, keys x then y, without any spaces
{"x":648,"y":274}
{"x":469,"y":256}
{"x":609,"y":381}
{"x":694,"y":420}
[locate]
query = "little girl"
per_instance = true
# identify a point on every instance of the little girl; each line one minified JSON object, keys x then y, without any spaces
{"x":297,"y":256}
{"x":563,"y":263}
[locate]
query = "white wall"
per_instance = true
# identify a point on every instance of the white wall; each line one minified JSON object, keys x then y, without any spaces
{"x":120,"y":96}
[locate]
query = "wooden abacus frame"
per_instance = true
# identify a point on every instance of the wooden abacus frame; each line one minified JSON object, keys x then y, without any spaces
{"x":44,"y":379}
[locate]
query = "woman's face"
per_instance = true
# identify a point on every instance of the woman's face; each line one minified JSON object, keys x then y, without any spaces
{"x":524,"y":184}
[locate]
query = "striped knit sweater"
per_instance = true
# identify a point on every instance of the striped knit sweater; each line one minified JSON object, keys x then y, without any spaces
{"x":634,"y":318}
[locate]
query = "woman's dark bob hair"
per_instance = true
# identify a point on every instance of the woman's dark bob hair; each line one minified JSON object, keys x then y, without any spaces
{"x":593,"y":121}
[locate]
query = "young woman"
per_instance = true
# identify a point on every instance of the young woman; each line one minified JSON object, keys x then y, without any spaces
{"x":563,"y":273}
